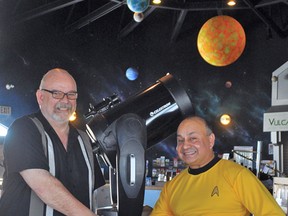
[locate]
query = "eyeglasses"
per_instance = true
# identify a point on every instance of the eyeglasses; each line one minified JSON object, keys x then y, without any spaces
{"x":60,"y":95}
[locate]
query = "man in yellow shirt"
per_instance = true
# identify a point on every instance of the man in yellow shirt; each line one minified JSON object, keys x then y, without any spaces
{"x":210,"y":185}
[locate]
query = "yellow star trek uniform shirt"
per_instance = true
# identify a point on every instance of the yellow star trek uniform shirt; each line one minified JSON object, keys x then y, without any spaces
{"x":221,"y":188}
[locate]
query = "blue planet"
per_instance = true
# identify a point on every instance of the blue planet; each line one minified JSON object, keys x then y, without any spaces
{"x":132,"y":73}
{"x":138,"y":6}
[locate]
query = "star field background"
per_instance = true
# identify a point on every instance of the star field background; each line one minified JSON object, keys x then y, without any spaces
{"x":98,"y":60}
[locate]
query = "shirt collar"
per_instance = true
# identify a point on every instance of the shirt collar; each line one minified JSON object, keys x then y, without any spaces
{"x":204,"y":168}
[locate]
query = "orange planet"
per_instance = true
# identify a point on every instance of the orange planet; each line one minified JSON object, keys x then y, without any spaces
{"x":221,"y":40}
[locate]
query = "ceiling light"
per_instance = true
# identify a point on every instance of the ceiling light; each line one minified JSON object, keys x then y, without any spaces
{"x":3,"y":130}
{"x":156,"y":1}
{"x":73,"y":117}
{"x":231,"y":2}
{"x":274,"y":79}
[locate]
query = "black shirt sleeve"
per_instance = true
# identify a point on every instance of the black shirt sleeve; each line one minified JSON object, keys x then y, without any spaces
{"x":23,"y":147}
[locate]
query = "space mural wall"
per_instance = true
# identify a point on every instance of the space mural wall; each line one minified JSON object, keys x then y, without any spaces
{"x":99,"y":61}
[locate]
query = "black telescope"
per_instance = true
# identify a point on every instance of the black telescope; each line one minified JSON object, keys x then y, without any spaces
{"x":126,"y":130}
{"x":162,"y":106}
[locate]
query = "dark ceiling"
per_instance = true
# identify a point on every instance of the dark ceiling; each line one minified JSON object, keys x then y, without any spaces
{"x":77,"y":14}
{"x":97,"y":40}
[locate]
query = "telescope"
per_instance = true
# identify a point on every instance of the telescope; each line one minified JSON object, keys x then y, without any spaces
{"x":121,"y":132}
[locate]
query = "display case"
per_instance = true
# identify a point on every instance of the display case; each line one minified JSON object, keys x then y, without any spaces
{"x":164,"y":169}
{"x":244,"y":155}
{"x":280,"y":191}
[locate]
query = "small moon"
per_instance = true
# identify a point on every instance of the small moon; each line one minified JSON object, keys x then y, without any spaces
{"x":228,"y":84}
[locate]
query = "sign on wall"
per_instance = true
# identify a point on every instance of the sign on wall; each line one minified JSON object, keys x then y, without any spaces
{"x":5,"y":110}
{"x":277,"y":121}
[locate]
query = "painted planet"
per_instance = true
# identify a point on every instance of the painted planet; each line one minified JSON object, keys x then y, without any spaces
{"x":225,"y":119}
{"x":132,"y":74}
{"x":138,"y":17}
{"x":228,"y":84}
{"x":138,"y":6}
{"x":221,"y":40}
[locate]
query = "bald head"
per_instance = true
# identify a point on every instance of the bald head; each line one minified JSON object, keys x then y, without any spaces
{"x":198,"y":120}
{"x":56,"y":74}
